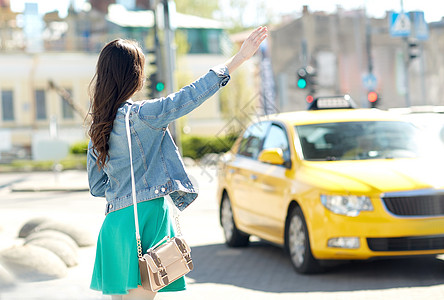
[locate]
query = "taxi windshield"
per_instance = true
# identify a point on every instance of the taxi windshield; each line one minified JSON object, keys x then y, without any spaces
{"x":359,"y":140}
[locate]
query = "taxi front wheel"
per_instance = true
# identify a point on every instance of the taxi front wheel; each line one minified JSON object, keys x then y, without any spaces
{"x":298,"y":243}
{"x":233,"y":236}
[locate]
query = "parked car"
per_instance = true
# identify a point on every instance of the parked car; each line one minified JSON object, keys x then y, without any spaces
{"x":333,"y":184}
{"x":430,"y":119}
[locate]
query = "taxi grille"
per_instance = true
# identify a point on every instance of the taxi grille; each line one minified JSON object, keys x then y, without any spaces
{"x":418,"y":205}
{"x":416,"y":243}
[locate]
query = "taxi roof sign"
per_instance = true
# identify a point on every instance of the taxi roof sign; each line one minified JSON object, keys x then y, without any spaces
{"x":332,"y":102}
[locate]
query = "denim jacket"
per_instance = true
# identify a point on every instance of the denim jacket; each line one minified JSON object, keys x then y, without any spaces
{"x":158,"y":167}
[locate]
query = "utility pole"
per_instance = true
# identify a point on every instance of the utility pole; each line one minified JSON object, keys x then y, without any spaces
{"x":423,"y":83}
{"x":368,"y":45}
{"x":170,"y":51}
{"x":169,"y":48}
{"x":407,"y":73}
{"x":370,"y":82}
{"x":406,"y":65}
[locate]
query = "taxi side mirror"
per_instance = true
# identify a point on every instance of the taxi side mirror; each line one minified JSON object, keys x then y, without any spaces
{"x":273,"y":156}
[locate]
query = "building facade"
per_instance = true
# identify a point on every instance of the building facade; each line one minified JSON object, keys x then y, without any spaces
{"x":343,"y":47}
{"x":32,"y":107}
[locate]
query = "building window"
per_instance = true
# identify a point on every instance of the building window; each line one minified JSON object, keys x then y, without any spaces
{"x":204,"y":41}
{"x":7,"y":106}
{"x":213,"y":42}
{"x":40,"y":105}
{"x":67,"y":110}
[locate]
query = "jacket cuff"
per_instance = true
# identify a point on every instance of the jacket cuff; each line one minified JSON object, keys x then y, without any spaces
{"x":222,"y":72}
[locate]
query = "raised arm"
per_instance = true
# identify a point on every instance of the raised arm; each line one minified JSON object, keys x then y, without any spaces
{"x":248,"y":48}
{"x":160,"y":112}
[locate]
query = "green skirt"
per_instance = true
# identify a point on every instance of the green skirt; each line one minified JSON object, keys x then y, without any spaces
{"x":116,"y":268}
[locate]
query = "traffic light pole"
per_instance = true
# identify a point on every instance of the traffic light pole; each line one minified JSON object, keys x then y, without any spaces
{"x":155,"y":78}
{"x":407,"y":72}
{"x":170,"y":66}
{"x":372,"y":96}
{"x":406,"y":65}
{"x":169,"y":50}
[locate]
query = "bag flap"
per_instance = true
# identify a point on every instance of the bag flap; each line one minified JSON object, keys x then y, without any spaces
{"x":150,"y":263}
{"x":183,"y":246}
{"x":168,"y":253}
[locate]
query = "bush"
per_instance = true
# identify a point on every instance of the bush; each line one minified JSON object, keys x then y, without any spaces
{"x":79,"y":147}
{"x":71,"y":162}
{"x":192,"y":145}
{"x":197,"y":146}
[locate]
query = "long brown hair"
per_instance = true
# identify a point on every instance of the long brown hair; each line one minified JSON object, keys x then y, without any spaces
{"x":119,"y":75}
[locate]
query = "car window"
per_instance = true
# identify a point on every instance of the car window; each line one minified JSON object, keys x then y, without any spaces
{"x":277,"y":138}
{"x":252,"y":140}
{"x":359,"y":140}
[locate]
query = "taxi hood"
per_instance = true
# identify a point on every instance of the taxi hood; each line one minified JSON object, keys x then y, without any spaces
{"x":383,"y":175}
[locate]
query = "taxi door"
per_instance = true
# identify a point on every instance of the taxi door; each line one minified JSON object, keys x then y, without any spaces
{"x":242,"y":171}
{"x":272,"y":186}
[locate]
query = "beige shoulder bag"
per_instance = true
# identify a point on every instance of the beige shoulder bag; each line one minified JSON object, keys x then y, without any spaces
{"x":170,"y":258}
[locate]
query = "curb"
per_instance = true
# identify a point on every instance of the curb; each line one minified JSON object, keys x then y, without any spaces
{"x":48,"y":189}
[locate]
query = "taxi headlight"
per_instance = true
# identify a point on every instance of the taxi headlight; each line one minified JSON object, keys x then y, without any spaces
{"x":349,"y":205}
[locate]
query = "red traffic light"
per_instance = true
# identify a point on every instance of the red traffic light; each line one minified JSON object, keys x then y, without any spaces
{"x":309,"y":99}
{"x":372,"y":96}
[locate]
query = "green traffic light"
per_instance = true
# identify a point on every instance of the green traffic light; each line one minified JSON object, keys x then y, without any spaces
{"x":160,"y":86}
{"x":302,"y":83}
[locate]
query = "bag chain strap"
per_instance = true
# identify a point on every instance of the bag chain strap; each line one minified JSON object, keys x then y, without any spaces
{"x":179,"y":232}
{"x":139,"y":248}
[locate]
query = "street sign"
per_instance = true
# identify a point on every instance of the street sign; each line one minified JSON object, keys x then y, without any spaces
{"x":5,"y":140}
{"x":50,"y":149}
{"x":369,"y":81}
{"x":400,"y":24}
{"x":420,"y":30}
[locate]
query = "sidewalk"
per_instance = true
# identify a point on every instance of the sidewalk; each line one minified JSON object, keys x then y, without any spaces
{"x":259,"y":272}
{"x":59,"y":197}
{"x":68,"y":181}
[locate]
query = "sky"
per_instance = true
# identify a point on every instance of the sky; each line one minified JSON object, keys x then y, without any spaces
{"x":433,"y":9}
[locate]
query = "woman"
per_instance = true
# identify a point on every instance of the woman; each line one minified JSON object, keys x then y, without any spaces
{"x":158,"y":167}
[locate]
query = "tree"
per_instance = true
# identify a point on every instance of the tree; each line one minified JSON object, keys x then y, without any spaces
{"x":201,"y":8}
{"x":243,"y":14}
{"x":234,"y":14}
{"x":238,"y":99}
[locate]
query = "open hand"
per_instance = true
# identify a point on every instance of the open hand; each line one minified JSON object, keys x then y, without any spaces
{"x":248,"y":48}
{"x":252,"y":43}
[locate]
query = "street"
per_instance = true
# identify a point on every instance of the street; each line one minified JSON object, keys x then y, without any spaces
{"x":260,"y":271}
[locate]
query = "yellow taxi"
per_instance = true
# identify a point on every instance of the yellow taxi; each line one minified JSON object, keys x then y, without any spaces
{"x":333,"y":183}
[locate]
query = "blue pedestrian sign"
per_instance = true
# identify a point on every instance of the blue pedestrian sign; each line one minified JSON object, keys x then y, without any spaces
{"x":369,"y":81}
{"x":400,"y":24}
{"x":420,"y":30}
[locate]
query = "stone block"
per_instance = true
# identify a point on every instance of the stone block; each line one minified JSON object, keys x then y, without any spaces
{"x":33,"y":263}
{"x":53,"y":234}
{"x":59,"y":247}
{"x":6,"y":278}
{"x":82,"y":237}
{"x":30,"y":226}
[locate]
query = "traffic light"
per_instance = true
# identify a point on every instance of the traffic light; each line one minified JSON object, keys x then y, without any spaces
{"x":306,"y":78}
{"x":414,"y":49}
{"x":302,"y":78}
{"x":160,"y":86}
{"x":155,"y":83}
{"x":302,"y":83}
{"x":373,"y":98}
